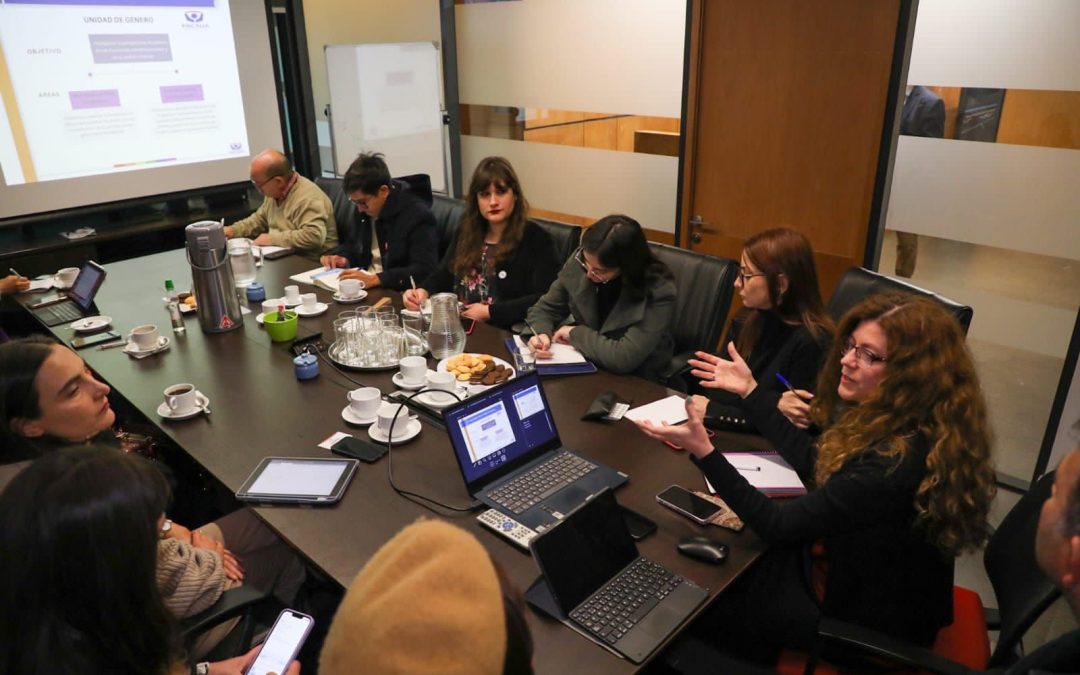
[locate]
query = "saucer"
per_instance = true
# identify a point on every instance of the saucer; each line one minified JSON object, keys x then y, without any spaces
{"x":290,"y":305}
{"x":439,"y":399}
{"x":163,"y":343}
{"x":91,"y":324}
{"x":349,"y":416}
{"x":400,"y":381}
{"x":320,"y":308}
{"x":411,"y":431}
{"x":348,"y":301}
{"x":168,"y":414}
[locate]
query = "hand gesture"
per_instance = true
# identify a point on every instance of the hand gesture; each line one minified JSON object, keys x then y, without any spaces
{"x":690,"y":436}
{"x":717,"y":373}
{"x":477,"y":311}
{"x":562,"y":335}
{"x":796,"y":407}
{"x":414,"y":298}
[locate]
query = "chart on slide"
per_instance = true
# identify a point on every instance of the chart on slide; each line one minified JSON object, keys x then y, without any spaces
{"x":122,"y":85}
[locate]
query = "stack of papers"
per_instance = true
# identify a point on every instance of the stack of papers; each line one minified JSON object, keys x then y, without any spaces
{"x":671,"y":410}
{"x":38,"y":285}
{"x":767,"y":471}
{"x":321,"y":277}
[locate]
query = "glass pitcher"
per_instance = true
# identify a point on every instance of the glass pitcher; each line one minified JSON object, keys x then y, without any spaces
{"x":242,"y":260}
{"x":446,"y":336}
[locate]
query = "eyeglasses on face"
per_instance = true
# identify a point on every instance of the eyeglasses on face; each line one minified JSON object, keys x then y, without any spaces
{"x":863,"y":356}
{"x":746,"y":275}
{"x":600,"y":274}
{"x":259,"y":184}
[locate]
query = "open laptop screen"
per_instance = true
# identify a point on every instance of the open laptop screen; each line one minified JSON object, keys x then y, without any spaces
{"x":86,"y":284}
{"x":493,"y":429}
{"x":585,"y":550}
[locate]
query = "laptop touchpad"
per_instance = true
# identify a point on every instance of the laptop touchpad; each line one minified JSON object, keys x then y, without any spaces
{"x":567,"y":499}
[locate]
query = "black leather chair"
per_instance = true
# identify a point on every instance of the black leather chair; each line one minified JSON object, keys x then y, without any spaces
{"x":859,"y":283}
{"x":242,"y":602}
{"x":1023,"y":593}
{"x":705,"y":284}
{"x":447,"y":212}
{"x":344,"y":210}
{"x":566,"y":236}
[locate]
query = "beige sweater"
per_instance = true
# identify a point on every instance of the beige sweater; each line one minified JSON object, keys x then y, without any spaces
{"x":190,"y":579}
{"x":304,"y":221}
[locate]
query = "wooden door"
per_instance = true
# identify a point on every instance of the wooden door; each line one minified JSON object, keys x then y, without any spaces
{"x":787,"y":101}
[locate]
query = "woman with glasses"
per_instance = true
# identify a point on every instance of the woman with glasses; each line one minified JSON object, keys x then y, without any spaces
{"x":500,"y":262}
{"x":781,"y":332}
{"x":899,"y":482}
{"x":612,"y":300}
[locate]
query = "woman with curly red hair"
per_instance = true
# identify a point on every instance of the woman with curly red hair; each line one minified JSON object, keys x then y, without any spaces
{"x":899,"y":482}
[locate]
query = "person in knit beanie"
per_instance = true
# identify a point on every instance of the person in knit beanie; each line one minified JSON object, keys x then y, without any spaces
{"x":429,"y":601}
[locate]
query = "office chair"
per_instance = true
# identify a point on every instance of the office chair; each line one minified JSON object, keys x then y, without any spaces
{"x":704,"y":286}
{"x":242,"y":602}
{"x":859,"y":283}
{"x":567,"y":237}
{"x":1022,"y":591}
{"x":447,"y":212}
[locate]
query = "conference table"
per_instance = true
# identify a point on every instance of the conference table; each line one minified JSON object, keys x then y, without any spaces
{"x":259,"y":408}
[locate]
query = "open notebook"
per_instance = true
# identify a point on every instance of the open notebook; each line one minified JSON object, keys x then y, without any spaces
{"x":321,"y":277}
{"x":767,"y":471}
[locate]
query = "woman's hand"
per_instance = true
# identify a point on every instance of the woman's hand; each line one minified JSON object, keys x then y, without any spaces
{"x":701,"y":404}
{"x":237,"y":665}
{"x":540,"y":346}
{"x":233,"y":569}
{"x":178,"y":531}
{"x":796,"y":407}
{"x":717,"y":373}
{"x":477,"y":311}
{"x":414,"y":298}
{"x":690,"y":436}
{"x":562,"y":335}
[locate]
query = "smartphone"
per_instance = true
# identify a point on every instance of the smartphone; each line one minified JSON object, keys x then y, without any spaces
{"x":671,"y":445}
{"x":470,"y":327}
{"x":96,"y":339}
{"x":639,"y":526}
{"x":282,"y":644}
{"x":358,"y":448}
{"x":689,"y":504}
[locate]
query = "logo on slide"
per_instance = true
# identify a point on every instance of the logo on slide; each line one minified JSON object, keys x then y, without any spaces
{"x":193,"y":15}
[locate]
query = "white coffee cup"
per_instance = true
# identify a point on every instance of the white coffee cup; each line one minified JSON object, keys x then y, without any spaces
{"x":292,"y":295}
{"x":350,"y":288}
{"x":66,"y":276}
{"x":413,"y":369}
{"x":309,"y":301}
{"x":271,"y":305}
{"x":364,"y":402}
{"x":386,"y":417}
{"x":181,"y":398}
{"x":441,"y":380}
{"x":145,"y":336}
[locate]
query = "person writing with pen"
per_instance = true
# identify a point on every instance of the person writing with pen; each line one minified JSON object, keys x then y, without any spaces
{"x":899,"y":483}
{"x":13,"y":283}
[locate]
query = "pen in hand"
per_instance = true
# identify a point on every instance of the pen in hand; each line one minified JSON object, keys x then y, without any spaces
{"x":784,"y":381}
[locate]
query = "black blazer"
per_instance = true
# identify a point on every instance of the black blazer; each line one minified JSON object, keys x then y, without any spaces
{"x":518,"y":282}
{"x":923,"y":114}
{"x":407,"y":239}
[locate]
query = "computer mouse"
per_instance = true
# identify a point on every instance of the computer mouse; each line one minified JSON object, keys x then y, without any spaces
{"x":704,"y":549}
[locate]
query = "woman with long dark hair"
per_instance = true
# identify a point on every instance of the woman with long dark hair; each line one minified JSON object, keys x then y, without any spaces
{"x":899,"y":482}
{"x":613,"y":301}
{"x":78,"y":560}
{"x":782,"y":330}
{"x":500,"y":262}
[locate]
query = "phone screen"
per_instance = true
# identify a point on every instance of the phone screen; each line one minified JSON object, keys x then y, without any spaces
{"x":281,"y":646}
{"x":80,"y":342}
{"x":684,"y":500}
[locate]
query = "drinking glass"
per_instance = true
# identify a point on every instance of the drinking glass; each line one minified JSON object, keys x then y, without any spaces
{"x":415,"y":335}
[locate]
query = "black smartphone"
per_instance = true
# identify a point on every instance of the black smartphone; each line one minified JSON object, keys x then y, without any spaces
{"x":639,"y":526}
{"x":689,"y":504}
{"x":96,"y":339}
{"x":357,"y":448}
{"x":282,"y":644}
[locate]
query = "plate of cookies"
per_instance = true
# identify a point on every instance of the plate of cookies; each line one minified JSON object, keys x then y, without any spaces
{"x":477,"y":372}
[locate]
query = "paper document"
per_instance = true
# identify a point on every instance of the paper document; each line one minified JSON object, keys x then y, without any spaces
{"x":560,"y":354}
{"x":38,"y":285}
{"x":671,"y":410}
{"x":767,"y":471}
{"x":321,"y":277}
{"x":270,"y":250}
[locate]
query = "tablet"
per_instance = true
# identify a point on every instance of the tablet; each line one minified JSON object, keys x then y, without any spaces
{"x":298,"y":480}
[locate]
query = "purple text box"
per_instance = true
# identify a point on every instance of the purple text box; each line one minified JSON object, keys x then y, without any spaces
{"x":181,"y":93}
{"x":99,"y":98}
{"x":117,"y":3}
{"x":130,"y":48}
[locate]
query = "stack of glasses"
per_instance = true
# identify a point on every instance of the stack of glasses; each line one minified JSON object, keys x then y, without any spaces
{"x":376,"y":338}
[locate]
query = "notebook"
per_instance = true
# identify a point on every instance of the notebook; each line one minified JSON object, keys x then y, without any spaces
{"x":74,"y":303}
{"x":767,"y":471}
{"x":565,"y":361}
{"x":599,"y":583}
{"x":511,"y":458}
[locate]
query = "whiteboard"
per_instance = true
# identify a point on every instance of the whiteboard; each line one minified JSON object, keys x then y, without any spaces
{"x":387,"y":98}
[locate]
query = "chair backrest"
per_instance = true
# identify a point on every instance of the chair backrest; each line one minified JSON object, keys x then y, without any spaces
{"x":1023,"y":592}
{"x":859,"y":283}
{"x":566,"y":236}
{"x":705,"y":284}
{"x":343,"y":208}
{"x":447,"y":212}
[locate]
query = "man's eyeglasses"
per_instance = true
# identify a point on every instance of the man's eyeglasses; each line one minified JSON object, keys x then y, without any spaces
{"x":599,"y":274}
{"x":259,"y":184}
{"x":863,"y":356}
{"x":746,"y":275}
{"x":361,"y":203}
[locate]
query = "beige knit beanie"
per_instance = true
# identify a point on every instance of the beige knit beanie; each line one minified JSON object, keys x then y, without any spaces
{"x":427,"y":602}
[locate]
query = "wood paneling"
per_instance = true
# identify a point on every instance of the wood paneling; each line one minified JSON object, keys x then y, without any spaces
{"x":602,"y":134}
{"x":657,"y":142}
{"x":1046,"y":118}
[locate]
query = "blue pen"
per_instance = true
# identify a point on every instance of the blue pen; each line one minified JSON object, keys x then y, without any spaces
{"x":783,"y":381}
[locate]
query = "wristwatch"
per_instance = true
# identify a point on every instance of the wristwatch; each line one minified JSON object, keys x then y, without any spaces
{"x":165,"y":527}
{"x":202,"y":668}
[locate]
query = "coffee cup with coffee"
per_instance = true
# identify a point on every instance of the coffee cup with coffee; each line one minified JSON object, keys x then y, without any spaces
{"x":364,"y":402}
{"x":181,"y":398}
{"x":145,"y":336}
{"x":66,"y":277}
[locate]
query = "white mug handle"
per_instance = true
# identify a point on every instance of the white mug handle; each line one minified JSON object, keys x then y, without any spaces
{"x":172,"y":402}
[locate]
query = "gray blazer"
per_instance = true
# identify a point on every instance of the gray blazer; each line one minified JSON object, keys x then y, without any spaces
{"x":635,"y":337}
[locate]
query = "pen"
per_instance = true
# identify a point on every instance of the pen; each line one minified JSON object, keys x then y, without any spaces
{"x":12,"y":270}
{"x":747,"y":468}
{"x":111,"y":345}
{"x":412,"y":282}
{"x":784,"y":381}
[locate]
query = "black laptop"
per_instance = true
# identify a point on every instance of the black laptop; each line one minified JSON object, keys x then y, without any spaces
{"x":74,"y":303}
{"x":597,"y":579}
{"x":511,"y":458}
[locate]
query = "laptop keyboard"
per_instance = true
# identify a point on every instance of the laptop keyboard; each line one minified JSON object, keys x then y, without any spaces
{"x":541,"y":481}
{"x":613,"y":610}
{"x":62,"y":313}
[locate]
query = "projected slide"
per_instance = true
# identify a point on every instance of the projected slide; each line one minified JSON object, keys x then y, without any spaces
{"x":106,"y":87}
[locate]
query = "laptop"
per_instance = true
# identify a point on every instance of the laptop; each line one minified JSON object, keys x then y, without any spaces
{"x":74,"y":303}
{"x":511,"y":458}
{"x":597,"y":579}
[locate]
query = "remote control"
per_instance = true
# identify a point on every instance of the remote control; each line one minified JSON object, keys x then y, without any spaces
{"x":508,"y":527}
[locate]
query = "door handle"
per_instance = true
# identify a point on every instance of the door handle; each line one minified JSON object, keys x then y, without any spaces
{"x":697,"y":224}
{"x":695,"y":237}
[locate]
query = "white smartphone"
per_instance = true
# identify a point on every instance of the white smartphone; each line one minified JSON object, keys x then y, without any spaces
{"x":688,"y":504}
{"x":282,"y":644}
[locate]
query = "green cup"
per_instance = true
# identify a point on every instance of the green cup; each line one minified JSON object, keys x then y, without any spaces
{"x":281,"y":330}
